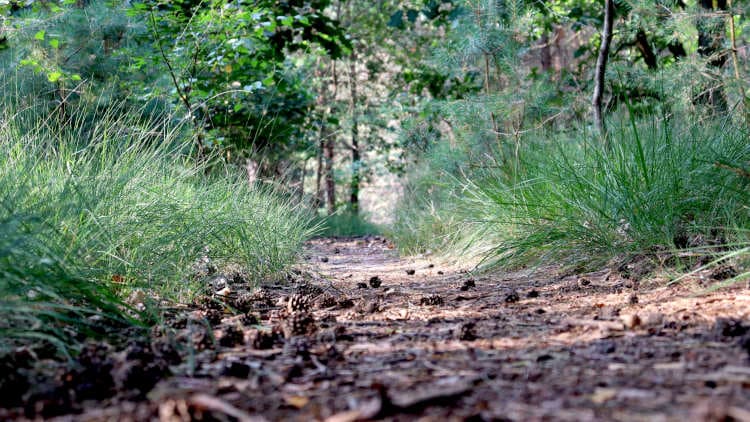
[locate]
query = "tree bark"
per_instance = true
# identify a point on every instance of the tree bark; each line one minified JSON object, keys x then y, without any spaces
{"x":320,"y":105}
{"x":318,"y":200}
{"x":356,"y":159}
{"x":330,"y":182}
{"x":601,"y":65}
{"x":328,"y":151}
{"x":644,"y":47}
{"x":546,"y":55}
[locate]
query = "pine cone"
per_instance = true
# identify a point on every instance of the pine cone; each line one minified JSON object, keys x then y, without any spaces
{"x":325,"y":301}
{"x":431,"y":300}
{"x":261,"y":297}
{"x":213,"y":316}
{"x":244,"y":302}
{"x":264,"y":340}
{"x":297,"y":347}
{"x":309,"y":290}
{"x":467,"y":332}
{"x":232,"y":336}
{"x":298,"y":303}
{"x":208,"y":302}
{"x":299,"y":324}
{"x":277,"y":316}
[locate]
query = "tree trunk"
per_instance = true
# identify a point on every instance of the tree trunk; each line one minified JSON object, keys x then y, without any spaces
{"x":735,"y":63}
{"x":644,"y":47}
{"x":328,"y":150}
{"x":330,"y":182}
{"x":561,"y":52}
{"x":546,"y":53}
{"x":356,"y":160}
{"x":320,"y":105}
{"x":318,"y":200}
{"x":601,"y":65}
{"x":710,"y":41}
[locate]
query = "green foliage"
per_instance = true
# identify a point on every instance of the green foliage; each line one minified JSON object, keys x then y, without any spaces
{"x":429,"y":218}
{"x":90,"y":212}
{"x":661,"y":186}
{"x":658,"y":187}
{"x":345,"y":223}
{"x":237,"y":68}
{"x":511,"y":172}
{"x":236,"y":71}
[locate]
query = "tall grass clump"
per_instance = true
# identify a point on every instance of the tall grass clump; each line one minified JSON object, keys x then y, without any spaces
{"x":90,"y":209}
{"x":656,"y":186}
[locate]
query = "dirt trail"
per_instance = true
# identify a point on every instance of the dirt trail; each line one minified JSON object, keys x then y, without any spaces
{"x":378,"y":337}
{"x":534,"y":346}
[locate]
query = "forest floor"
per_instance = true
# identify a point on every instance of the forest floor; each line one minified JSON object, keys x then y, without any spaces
{"x":361,"y":334}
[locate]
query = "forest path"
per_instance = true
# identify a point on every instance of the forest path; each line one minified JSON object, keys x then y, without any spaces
{"x":439,"y":344}
{"x":359,"y":333}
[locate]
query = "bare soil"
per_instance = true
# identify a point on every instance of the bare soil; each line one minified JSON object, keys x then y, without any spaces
{"x":361,"y":334}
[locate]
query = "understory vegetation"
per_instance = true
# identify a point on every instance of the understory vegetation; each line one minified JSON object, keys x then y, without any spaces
{"x":345,"y":224}
{"x":659,"y":186}
{"x":95,"y":210}
{"x":517,"y":172}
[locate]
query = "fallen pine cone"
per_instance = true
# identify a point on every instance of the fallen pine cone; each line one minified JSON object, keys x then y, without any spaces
{"x":431,"y":300}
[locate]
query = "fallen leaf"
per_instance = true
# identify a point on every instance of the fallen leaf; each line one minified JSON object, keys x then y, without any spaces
{"x":364,"y":411}
{"x":601,"y":395}
{"x":631,"y":320}
{"x":206,"y":402}
{"x":348,"y":416}
{"x":296,"y":401}
{"x":670,"y":366}
{"x":437,"y":391}
{"x":739,"y":414}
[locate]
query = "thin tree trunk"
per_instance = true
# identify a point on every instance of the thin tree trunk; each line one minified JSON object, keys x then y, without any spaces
{"x":354,"y":182}
{"x":320,"y":106}
{"x":493,"y":119}
{"x":318,"y":200}
{"x":329,"y":153}
{"x":546,"y":54}
{"x":601,"y":65}
{"x":182,"y":94}
{"x":561,"y":52}
{"x":710,"y":40}
{"x":330,"y":182}
{"x":354,"y":185}
{"x":735,"y":62}
{"x":733,"y":41}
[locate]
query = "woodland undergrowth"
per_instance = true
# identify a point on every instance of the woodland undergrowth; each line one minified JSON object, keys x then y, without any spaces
{"x":95,"y":209}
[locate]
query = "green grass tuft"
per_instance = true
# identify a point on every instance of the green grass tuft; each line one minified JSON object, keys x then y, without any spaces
{"x":90,"y":210}
{"x":569,"y":199}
